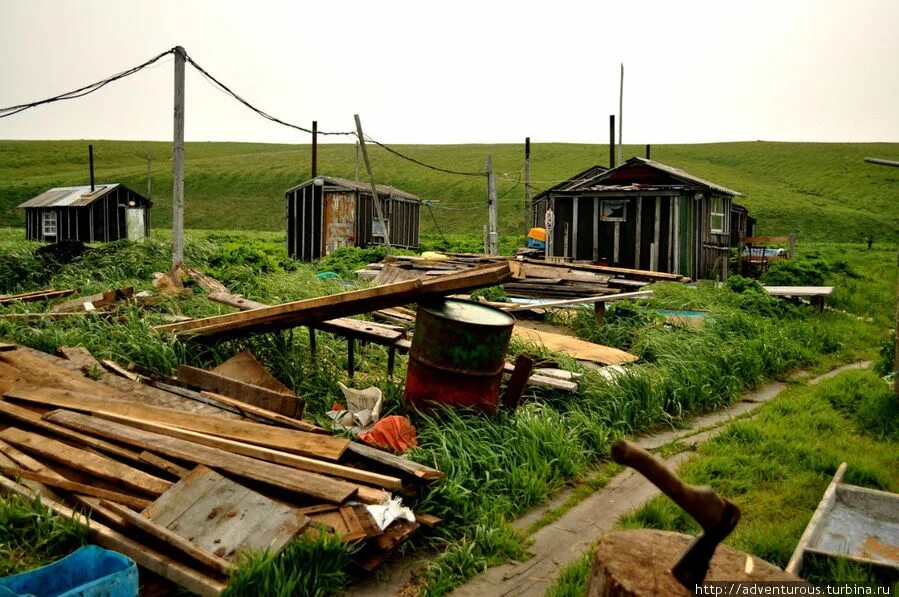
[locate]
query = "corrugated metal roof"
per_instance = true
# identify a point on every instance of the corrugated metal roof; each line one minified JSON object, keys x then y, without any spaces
{"x":69,"y":196}
{"x":351,"y":185}
{"x":681,"y":174}
{"x":574,"y":181}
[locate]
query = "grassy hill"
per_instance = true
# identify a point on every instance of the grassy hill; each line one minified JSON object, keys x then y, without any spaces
{"x":820,"y":191}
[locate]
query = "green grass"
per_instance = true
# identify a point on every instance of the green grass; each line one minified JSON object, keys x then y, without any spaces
{"x":496,"y":467}
{"x":776,"y":466}
{"x":32,"y":536}
{"x":819,"y":191}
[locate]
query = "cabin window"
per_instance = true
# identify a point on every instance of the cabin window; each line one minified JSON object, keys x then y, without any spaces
{"x":377,"y":231}
{"x":49,"y":223}
{"x":613,"y":211}
{"x":719,"y":219}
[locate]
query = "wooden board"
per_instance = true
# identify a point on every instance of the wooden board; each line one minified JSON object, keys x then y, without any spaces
{"x":101,"y":299}
{"x":339,"y":305}
{"x":246,"y":368}
{"x":579,"y":349}
{"x":144,"y":556}
{"x":274,"y":456}
{"x":71,"y":486}
{"x":81,"y":357}
{"x":289,"y":440}
{"x":222,"y":517}
{"x":393,"y":461}
{"x":799,"y":290}
{"x":313,"y":485}
{"x":275,"y":401}
{"x":93,"y":464}
{"x":40,"y":295}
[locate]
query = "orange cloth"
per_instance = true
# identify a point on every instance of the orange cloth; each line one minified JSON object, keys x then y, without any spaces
{"x":394,"y":433}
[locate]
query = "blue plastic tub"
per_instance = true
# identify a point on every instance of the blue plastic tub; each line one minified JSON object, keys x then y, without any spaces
{"x":90,"y":571}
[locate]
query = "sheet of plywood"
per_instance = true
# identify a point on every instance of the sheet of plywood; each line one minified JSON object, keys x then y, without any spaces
{"x":93,"y":464}
{"x":223,"y":517}
{"x":576,"y":347}
{"x":301,"y":482}
{"x":246,"y":368}
{"x":288,"y":440}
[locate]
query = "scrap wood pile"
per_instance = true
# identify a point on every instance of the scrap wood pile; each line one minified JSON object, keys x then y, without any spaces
{"x":530,"y":277}
{"x":182,"y":474}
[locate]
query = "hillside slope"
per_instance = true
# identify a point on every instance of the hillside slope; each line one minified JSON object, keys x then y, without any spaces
{"x":820,"y":191}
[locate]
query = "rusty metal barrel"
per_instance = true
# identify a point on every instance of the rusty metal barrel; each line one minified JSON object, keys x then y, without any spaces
{"x":457,"y":355}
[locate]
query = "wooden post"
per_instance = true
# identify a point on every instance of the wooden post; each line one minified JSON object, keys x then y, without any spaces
{"x":656,"y":236}
{"x":178,"y":164}
{"x":575,"y":208}
{"x":621,"y":115}
{"x":638,"y":232}
{"x":527,"y":187}
{"x":149,"y":180}
{"x":596,"y":216}
{"x":599,"y":311}
{"x":312,"y":343}
{"x":611,"y":140}
{"x":391,"y":360}
{"x":492,"y":239}
{"x":314,"y":148}
{"x":371,"y":179}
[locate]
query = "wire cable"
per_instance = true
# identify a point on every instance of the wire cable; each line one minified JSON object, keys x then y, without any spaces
{"x":419,"y":162}
{"x":262,"y":113}
{"x":436,"y":225}
{"x":82,"y":91}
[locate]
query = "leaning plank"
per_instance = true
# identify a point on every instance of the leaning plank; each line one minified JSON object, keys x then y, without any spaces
{"x":266,"y":454}
{"x":603,"y":298}
{"x":93,"y":464}
{"x":290,"y":440}
{"x":14,"y":411}
{"x":144,"y":556}
{"x":163,"y":464}
{"x":178,"y":542}
{"x":577,"y":348}
{"x":313,"y":485}
{"x":114,"y":367}
{"x":398,"y":462}
{"x":73,"y":487}
{"x":4,"y":346}
{"x":340,"y":305}
{"x":40,"y":295}
{"x":615,"y":271}
{"x":284,"y":404}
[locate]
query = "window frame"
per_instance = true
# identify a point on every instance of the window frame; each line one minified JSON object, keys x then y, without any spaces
{"x":46,"y":218}
{"x":721,"y":204}
{"x":603,"y":217}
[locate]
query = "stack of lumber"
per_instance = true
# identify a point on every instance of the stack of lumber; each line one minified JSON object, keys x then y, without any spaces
{"x":531,"y":278}
{"x":182,"y":479}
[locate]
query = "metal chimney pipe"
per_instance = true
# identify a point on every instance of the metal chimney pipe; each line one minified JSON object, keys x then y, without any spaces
{"x":647,"y":152}
{"x":90,"y":153}
{"x":314,"y":148}
{"x":611,"y":140}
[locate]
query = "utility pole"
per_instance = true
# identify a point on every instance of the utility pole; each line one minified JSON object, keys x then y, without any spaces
{"x":492,"y":239}
{"x":178,"y":164}
{"x":611,"y":141}
{"x":371,"y":179}
{"x":881,"y":162}
{"x":314,"y":148}
{"x":149,"y":182}
{"x":90,"y":157}
{"x":621,"y":114}
{"x":527,"y":187}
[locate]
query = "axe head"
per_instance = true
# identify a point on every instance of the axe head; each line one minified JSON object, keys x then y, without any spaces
{"x":692,"y":567}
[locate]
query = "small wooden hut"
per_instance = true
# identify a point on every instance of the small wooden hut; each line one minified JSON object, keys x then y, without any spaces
{"x":326,"y":213}
{"x":88,"y":214}
{"x":641,"y":215}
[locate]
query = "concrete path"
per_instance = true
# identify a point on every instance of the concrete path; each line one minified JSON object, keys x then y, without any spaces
{"x":561,"y":542}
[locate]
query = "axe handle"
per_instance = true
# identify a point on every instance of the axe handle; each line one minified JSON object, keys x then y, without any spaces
{"x":702,"y":503}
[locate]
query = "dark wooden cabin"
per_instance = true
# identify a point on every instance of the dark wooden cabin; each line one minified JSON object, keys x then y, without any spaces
{"x":106,"y":213}
{"x":641,"y":215}
{"x":326,"y":213}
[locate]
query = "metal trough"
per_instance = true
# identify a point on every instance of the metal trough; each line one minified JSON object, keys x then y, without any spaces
{"x":853,"y":522}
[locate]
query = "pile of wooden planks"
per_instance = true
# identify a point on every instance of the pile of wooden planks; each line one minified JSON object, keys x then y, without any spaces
{"x":38,"y":295}
{"x":531,"y":278}
{"x":180,"y":478}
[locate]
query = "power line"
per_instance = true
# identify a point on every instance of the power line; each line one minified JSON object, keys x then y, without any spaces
{"x":436,"y":225}
{"x":262,"y":113}
{"x":420,"y":163}
{"x":83,"y":91}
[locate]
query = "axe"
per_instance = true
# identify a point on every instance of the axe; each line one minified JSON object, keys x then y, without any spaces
{"x":717,"y":516}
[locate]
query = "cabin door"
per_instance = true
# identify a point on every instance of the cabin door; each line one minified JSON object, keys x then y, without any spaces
{"x":136,"y":223}
{"x":340,"y":219}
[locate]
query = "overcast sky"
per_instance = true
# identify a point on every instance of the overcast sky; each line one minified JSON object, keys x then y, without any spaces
{"x":460,"y":71}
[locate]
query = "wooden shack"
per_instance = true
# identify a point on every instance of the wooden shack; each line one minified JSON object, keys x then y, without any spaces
{"x":326,"y":213}
{"x":641,"y":215}
{"x":88,"y":214}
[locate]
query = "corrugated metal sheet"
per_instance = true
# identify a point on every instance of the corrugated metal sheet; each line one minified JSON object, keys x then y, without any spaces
{"x":334,"y":182}
{"x":69,"y":196}
{"x":675,"y":172}
{"x":573,"y":182}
